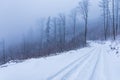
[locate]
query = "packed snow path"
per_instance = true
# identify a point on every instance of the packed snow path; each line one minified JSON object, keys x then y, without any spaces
{"x":85,"y":67}
{"x":98,"y":62}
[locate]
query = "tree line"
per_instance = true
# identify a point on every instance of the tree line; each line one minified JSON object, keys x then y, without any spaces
{"x":65,"y":32}
{"x":111,"y":17}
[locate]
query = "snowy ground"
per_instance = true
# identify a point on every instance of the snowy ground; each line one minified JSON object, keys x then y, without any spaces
{"x":98,"y":62}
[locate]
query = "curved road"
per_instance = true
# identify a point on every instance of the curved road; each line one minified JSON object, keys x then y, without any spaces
{"x":90,"y":66}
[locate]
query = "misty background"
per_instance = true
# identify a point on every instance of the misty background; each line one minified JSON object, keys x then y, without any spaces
{"x":17,"y":17}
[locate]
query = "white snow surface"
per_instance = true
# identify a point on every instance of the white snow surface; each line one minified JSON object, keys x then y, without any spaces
{"x":99,"y":61}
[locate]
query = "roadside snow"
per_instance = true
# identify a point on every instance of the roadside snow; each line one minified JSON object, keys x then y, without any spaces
{"x":97,"y":62}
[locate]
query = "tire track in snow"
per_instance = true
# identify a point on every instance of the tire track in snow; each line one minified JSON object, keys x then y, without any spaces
{"x":96,"y":64}
{"x":86,"y":69}
{"x":69,"y":65}
{"x":99,"y":69}
{"x":101,"y":65}
{"x":104,"y":67}
{"x":81,"y":66}
{"x":95,"y":70}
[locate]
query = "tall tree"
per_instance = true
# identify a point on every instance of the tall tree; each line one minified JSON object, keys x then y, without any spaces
{"x":55,"y":29}
{"x":63,"y":24}
{"x":104,"y":4}
{"x":84,"y":7}
{"x":113,"y":12}
{"x":24,"y":47}
{"x":74,"y":19}
{"x":4,"y":54}
{"x":117,"y":15}
{"x":48,"y":30}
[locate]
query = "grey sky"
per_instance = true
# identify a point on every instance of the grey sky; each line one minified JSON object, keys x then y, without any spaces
{"x":17,"y":16}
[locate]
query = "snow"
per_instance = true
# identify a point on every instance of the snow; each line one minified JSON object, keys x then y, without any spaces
{"x":96,"y":62}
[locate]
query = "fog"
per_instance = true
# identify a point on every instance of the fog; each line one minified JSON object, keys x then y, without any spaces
{"x":18,"y":16}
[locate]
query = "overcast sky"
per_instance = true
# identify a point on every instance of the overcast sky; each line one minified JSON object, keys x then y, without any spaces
{"x":17,"y":16}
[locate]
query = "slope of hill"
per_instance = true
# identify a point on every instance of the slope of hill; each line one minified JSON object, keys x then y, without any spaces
{"x":99,"y":61}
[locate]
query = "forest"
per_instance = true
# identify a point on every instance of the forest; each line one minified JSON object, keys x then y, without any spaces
{"x":61,"y":33}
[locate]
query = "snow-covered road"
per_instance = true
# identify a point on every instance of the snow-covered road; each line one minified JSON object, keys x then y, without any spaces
{"x":97,"y":62}
{"x":86,"y":67}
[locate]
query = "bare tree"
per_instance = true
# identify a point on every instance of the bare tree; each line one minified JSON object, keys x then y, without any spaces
{"x":24,"y":47}
{"x":4,"y":53}
{"x":60,"y":34}
{"x":117,"y":16}
{"x":83,"y":6}
{"x":113,"y":11}
{"x":104,"y":4}
{"x":48,"y":30}
{"x":119,"y":23}
{"x":107,"y":18}
{"x":63,"y":24}
{"x":74,"y":19}
{"x":55,"y":29}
